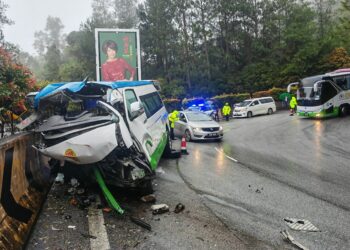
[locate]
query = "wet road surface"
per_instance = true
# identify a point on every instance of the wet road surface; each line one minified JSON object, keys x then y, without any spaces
{"x":272,"y":167}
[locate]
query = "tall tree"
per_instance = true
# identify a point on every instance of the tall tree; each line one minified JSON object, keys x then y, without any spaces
{"x":51,"y":35}
{"x":4,"y":20}
{"x":126,"y":13}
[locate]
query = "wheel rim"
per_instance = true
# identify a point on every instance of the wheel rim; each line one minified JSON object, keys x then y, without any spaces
{"x":187,"y":135}
{"x":343,"y":111}
{"x":270,"y":111}
{"x":249,"y":114}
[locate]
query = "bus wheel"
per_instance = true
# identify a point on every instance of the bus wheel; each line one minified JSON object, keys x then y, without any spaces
{"x":343,"y":110}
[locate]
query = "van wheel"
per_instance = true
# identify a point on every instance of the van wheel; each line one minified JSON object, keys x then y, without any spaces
{"x":249,"y":114}
{"x":269,"y":111}
{"x":343,"y":110}
{"x":167,"y":150}
{"x":188,"y":135}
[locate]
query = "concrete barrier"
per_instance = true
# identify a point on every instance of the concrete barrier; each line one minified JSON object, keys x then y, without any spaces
{"x":24,"y":182}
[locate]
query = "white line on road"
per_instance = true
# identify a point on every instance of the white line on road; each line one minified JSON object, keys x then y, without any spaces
{"x":221,"y":151}
{"x":97,"y":228}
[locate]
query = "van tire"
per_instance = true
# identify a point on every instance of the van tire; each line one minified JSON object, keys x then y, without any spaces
{"x":249,"y":114}
{"x":168,"y":146}
{"x":343,"y":110}
{"x":269,"y":111}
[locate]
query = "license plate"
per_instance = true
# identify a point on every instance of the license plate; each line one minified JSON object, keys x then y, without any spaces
{"x":213,"y":134}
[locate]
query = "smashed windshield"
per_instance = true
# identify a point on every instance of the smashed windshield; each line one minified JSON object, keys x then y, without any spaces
{"x":196,"y":117}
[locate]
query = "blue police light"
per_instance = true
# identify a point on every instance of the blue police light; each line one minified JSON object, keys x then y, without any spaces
{"x":201,"y":105}
{"x":193,"y":105}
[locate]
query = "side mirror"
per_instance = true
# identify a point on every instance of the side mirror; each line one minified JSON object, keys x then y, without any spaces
{"x":316,"y":85}
{"x":290,"y":86}
{"x":136,"y":109}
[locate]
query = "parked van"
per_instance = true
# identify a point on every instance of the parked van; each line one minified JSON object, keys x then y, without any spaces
{"x":256,"y":106}
{"x":120,"y":128}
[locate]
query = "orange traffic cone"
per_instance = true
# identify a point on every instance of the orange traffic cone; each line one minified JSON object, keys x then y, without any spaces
{"x":184,"y":146}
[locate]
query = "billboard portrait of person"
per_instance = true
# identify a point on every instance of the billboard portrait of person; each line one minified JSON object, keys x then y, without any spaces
{"x":114,"y":68}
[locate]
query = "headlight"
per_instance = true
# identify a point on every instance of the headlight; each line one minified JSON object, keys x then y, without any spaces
{"x":220,"y":128}
{"x":196,"y":129}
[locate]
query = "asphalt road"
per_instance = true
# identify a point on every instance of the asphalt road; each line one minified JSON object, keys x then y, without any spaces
{"x":271,"y":167}
{"x":236,"y":194}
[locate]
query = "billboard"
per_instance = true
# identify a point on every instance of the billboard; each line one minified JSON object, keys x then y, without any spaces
{"x":117,"y":55}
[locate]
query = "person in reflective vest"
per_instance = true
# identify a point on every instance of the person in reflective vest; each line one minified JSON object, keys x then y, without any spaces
{"x":226,"y":111}
{"x":292,"y":104}
{"x":173,"y":117}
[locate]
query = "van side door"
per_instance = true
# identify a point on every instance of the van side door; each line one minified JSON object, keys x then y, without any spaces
{"x":136,"y":120}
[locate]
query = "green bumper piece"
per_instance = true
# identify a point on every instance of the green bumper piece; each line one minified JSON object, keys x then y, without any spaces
{"x":108,"y":195}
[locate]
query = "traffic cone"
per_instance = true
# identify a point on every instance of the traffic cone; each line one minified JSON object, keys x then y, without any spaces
{"x":184,"y":146}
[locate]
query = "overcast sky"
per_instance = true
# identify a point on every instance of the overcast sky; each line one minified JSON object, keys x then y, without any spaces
{"x":30,"y":16}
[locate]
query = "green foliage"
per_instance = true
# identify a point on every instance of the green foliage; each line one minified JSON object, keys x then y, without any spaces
{"x":15,"y":81}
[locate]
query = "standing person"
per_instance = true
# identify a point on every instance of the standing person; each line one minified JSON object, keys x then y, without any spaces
{"x":216,"y":115}
{"x":226,"y":111}
{"x":173,"y":117}
{"x":114,"y":69}
{"x":292,"y":104}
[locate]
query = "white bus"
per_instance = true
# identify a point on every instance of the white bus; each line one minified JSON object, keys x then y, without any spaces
{"x":324,"y":95}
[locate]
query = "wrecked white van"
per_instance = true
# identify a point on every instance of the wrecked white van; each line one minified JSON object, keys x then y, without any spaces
{"x":119,"y":128}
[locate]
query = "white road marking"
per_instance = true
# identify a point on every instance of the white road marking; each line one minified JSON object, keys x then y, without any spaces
{"x":97,"y":228}
{"x":221,"y":151}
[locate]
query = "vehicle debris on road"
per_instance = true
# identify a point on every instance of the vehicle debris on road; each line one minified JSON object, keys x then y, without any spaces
{"x":287,"y":237}
{"x":160,"y":209}
{"x":301,"y":225}
{"x":148,"y":198}
{"x":141,"y":223}
{"x":179,"y":208}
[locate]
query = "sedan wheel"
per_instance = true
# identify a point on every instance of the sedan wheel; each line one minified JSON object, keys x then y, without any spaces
{"x":188,"y":135}
{"x":249,"y":114}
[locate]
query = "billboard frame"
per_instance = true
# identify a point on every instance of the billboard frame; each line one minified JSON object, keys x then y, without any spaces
{"x":98,"y":31}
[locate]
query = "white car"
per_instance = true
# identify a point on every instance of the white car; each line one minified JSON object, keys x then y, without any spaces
{"x":256,"y":106}
{"x":196,"y":125}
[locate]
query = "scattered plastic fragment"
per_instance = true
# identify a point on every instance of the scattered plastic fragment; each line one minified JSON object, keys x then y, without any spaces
{"x":179,"y":208}
{"x":287,"y":237}
{"x":107,"y":209}
{"x":72,"y":227}
{"x":160,"y":208}
{"x":257,"y":191}
{"x":55,"y":229}
{"x":148,"y":198}
{"x":59,"y":178}
{"x":300,"y":225}
{"x":141,"y":223}
{"x":74,"y":182}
